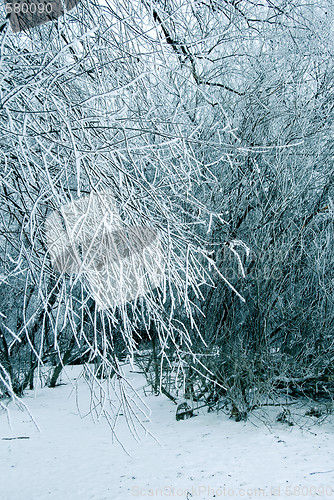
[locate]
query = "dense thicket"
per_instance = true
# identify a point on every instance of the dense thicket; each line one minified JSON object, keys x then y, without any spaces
{"x":211,"y":121}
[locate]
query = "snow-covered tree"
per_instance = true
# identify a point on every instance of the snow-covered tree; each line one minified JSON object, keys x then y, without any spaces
{"x":208,"y":121}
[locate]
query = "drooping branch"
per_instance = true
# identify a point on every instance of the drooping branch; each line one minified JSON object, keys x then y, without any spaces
{"x":184,"y":53}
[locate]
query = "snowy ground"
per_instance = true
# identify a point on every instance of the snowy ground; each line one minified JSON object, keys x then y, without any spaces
{"x":209,"y":456}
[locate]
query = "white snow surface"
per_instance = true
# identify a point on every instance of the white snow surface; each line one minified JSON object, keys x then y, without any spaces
{"x":75,"y":457}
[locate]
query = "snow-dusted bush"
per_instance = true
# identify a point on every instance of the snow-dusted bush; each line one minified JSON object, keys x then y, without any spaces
{"x":209,"y":122}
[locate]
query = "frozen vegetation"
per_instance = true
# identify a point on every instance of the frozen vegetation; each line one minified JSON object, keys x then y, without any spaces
{"x":166,"y":203}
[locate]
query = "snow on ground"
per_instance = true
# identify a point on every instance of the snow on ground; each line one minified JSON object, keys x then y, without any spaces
{"x":209,"y":456}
